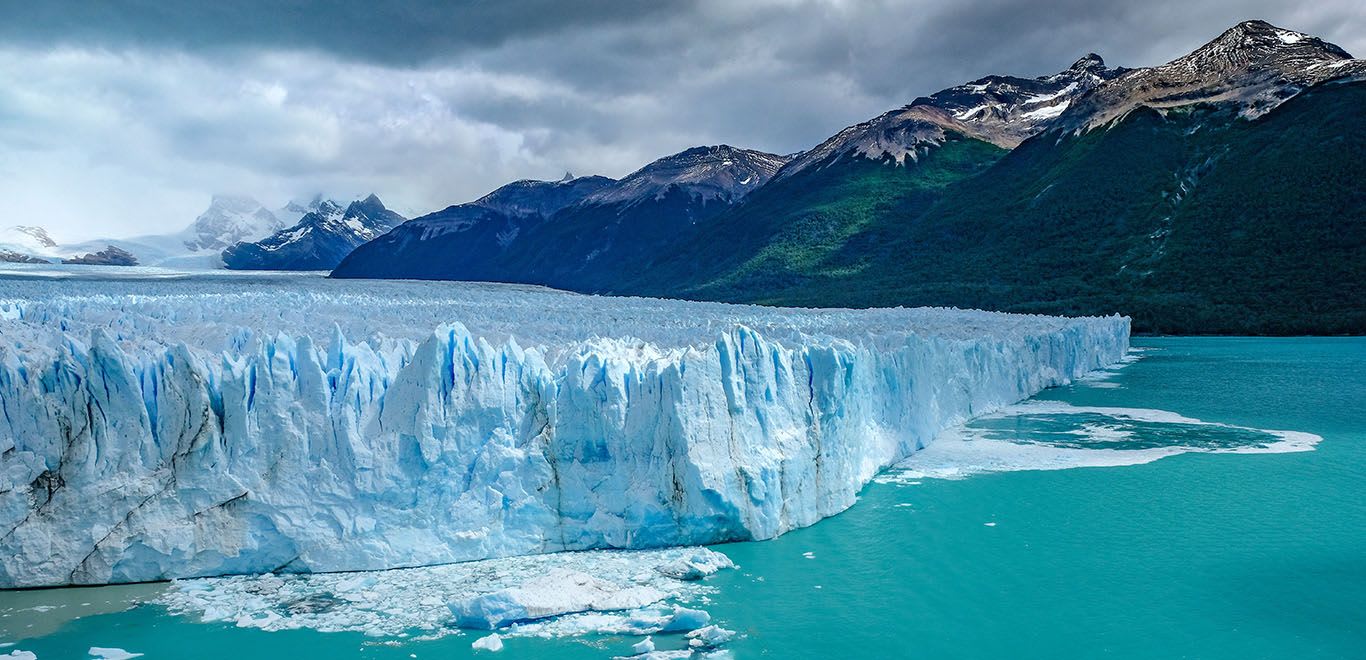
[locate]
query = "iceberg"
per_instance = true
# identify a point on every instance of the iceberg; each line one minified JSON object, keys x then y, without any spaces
{"x":169,"y":426}
{"x":560,"y":592}
{"x":492,"y":643}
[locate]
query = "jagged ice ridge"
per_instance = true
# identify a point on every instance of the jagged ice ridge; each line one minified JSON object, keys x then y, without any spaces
{"x":172,"y":427}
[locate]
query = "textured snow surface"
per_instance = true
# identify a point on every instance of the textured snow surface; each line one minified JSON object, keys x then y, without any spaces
{"x":159,"y":425}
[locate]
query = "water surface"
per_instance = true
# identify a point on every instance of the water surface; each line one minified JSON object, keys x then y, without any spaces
{"x":1223,"y":552}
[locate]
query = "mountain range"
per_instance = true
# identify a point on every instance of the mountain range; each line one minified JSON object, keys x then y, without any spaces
{"x":578,"y":233}
{"x":1216,"y":193}
{"x":325,"y":234}
{"x":231,"y":223}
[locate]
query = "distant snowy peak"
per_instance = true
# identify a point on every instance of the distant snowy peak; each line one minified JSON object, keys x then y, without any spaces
{"x":529,"y":197}
{"x":1002,"y":110}
{"x":291,"y":213}
{"x":36,"y":235}
{"x":319,"y":240}
{"x":1254,"y":66}
{"x":708,"y":173}
{"x":361,"y":220}
{"x":27,"y":244}
{"x":1005,"y":110}
{"x":228,"y":220}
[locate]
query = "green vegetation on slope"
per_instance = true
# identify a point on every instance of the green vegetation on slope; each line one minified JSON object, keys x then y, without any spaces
{"x":1191,"y":221}
{"x":790,"y":234}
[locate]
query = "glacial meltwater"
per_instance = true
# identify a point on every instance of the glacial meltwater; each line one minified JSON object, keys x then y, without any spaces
{"x":1203,"y":500}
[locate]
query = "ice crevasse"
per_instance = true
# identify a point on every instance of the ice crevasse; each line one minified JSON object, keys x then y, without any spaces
{"x":128,"y":453}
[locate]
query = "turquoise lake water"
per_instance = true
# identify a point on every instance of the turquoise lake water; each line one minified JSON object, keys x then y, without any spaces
{"x":1198,"y":555}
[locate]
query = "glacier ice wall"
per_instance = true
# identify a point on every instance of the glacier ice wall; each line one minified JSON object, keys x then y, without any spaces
{"x":153,"y":430}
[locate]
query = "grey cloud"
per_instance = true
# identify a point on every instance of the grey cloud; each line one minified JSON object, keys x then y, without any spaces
{"x":150,"y":108}
{"x":395,"y":33}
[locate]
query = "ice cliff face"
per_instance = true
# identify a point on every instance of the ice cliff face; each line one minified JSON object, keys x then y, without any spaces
{"x":160,"y":429}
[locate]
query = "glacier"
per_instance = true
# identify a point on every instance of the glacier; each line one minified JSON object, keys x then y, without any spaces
{"x":158,"y":425}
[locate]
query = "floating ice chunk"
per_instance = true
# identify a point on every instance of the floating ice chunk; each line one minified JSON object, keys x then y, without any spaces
{"x":709,"y":637}
{"x":107,"y":653}
{"x":643,"y":646}
{"x":685,"y":619}
{"x":809,"y":555}
{"x":492,"y":642}
{"x":989,"y":524}
{"x":562,"y":591}
{"x":696,"y":566}
{"x":19,"y":655}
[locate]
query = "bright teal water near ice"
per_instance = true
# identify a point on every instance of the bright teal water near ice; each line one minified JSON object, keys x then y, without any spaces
{"x":1196,"y":555}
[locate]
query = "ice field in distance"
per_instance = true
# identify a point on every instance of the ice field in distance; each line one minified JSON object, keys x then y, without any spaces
{"x":159,"y":425}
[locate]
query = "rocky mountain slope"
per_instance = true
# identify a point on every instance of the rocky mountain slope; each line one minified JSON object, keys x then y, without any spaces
{"x":1216,"y":193}
{"x":583,"y":233}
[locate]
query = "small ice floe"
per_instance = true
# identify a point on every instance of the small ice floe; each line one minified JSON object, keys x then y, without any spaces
{"x":492,"y":642}
{"x":695,"y":566}
{"x":685,"y":619}
{"x":19,"y":655}
{"x":643,"y":646}
{"x":107,"y":653}
{"x":562,"y":591}
{"x":904,"y":505}
{"x":809,"y":555}
{"x":709,"y":637}
{"x":989,"y":524}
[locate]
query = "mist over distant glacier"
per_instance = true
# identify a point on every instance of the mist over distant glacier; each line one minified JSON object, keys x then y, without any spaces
{"x":157,"y":425}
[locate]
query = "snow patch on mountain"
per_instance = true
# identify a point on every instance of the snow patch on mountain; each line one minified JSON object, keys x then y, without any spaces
{"x":1253,"y":66}
{"x":1002,"y":110}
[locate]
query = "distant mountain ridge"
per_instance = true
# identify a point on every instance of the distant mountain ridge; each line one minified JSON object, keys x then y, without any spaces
{"x":1219,"y":192}
{"x":1001,"y":110}
{"x":575,"y":233}
{"x":1215,"y":193}
{"x":319,"y":241}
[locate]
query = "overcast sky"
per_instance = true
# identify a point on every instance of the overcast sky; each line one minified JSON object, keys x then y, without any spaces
{"x":118,"y":122}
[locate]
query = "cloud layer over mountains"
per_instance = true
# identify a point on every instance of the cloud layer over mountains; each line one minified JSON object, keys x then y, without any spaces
{"x":120,"y":122}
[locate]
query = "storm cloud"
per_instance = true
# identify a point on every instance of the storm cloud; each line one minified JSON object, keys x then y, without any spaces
{"x":123,"y":118}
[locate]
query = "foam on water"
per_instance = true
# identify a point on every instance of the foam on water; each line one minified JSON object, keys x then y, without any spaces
{"x":1051,"y":435}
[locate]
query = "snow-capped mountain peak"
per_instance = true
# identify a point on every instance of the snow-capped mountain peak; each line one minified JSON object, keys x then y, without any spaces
{"x":1253,"y":66}
{"x":1002,"y":110}
{"x":228,"y":220}
{"x":320,"y":239}
{"x":716,"y":172}
{"x":26,"y":243}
